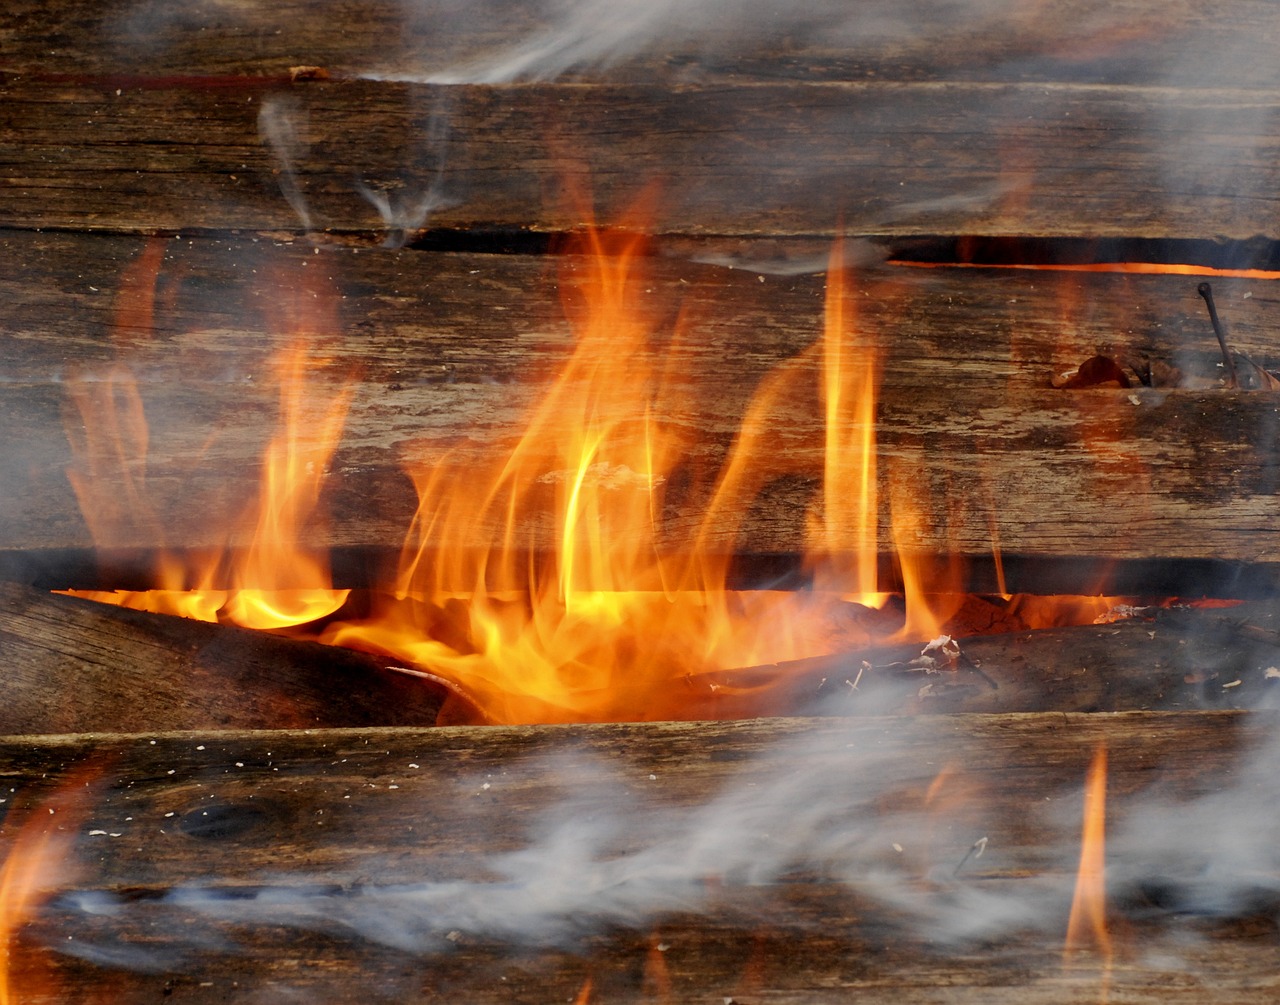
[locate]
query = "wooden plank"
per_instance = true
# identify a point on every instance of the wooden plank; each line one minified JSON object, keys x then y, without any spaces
{"x":451,"y":352}
{"x":1209,"y":43}
{"x":75,"y":666}
{"x":875,"y":158}
{"x":515,"y":862}
{"x":1174,"y":659}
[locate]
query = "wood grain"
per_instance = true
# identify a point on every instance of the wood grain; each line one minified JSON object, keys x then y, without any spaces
{"x":450,"y":351}
{"x":764,"y":158}
{"x":281,"y":847}
{"x":1209,"y":43}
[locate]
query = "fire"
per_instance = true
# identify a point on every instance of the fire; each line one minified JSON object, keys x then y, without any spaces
{"x":606,"y":623}
{"x":35,"y":866}
{"x":1120,"y":268}
{"x":275,"y":583}
{"x":844,"y":541}
{"x":1087,"y":925}
{"x":609,"y":626}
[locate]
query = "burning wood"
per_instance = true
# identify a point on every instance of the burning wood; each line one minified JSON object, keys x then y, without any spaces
{"x":76,"y":667}
{"x":585,"y":571}
{"x":608,"y":625}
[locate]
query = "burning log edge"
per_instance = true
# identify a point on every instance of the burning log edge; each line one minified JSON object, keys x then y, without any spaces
{"x":210,"y":864}
{"x":77,"y":666}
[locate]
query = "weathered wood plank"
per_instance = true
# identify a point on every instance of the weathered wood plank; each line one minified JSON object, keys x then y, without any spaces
{"x":451,"y":351}
{"x":516,"y":862}
{"x":1208,"y":43}
{"x":75,"y":666}
{"x":1174,"y":659}
{"x":72,"y":664}
{"x":877,"y":158}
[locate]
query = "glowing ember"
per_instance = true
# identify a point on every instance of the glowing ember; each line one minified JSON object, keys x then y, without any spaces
{"x":1121,"y":268}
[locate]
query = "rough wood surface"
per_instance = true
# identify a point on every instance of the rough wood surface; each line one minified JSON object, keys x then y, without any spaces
{"x":450,"y":351}
{"x":75,"y":666}
{"x":488,"y":864}
{"x":1173,"y":659}
{"x":764,"y":158}
{"x":1207,"y":43}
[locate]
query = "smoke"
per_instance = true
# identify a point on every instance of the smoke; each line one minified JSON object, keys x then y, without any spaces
{"x":282,"y":125}
{"x":675,"y":38}
{"x":912,"y":849}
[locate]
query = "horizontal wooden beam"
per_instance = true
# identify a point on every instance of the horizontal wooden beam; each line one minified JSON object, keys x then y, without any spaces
{"x":449,"y":352}
{"x":90,"y":667}
{"x":1211,"y":43}
{"x":521,"y":861}
{"x":360,"y":156}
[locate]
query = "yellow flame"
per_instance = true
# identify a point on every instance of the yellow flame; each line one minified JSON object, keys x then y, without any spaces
{"x":275,"y":583}
{"x":843,"y":539}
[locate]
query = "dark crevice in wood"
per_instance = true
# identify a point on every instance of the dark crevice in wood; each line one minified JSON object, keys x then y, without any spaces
{"x":1258,"y":253}
{"x":363,"y":567}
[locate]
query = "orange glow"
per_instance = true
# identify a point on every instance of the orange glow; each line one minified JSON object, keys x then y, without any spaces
{"x":608,"y":626}
{"x":932,"y":588}
{"x":1087,"y":925}
{"x":1126,"y":268}
{"x":584,"y":994}
{"x":657,"y":978}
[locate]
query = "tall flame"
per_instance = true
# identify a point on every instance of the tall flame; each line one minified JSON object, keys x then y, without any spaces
{"x":1087,"y":924}
{"x":275,"y":582}
{"x":845,"y":536}
{"x":606,"y":626}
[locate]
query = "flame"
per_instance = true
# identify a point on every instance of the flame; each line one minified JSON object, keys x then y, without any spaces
{"x":843,"y":540}
{"x":1122,"y":268}
{"x":1087,"y":925}
{"x":656,"y":981}
{"x":275,"y":583}
{"x":35,"y":866}
{"x":537,"y":585}
{"x":608,"y":626}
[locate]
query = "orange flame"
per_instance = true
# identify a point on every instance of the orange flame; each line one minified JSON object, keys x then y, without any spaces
{"x":1087,"y":924}
{"x":35,"y":866}
{"x":607,"y":627}
{"x":1121,"y":268}
{"x":657,"y":977}
{"x":275,"y":583}
{"x":843,"y":540}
